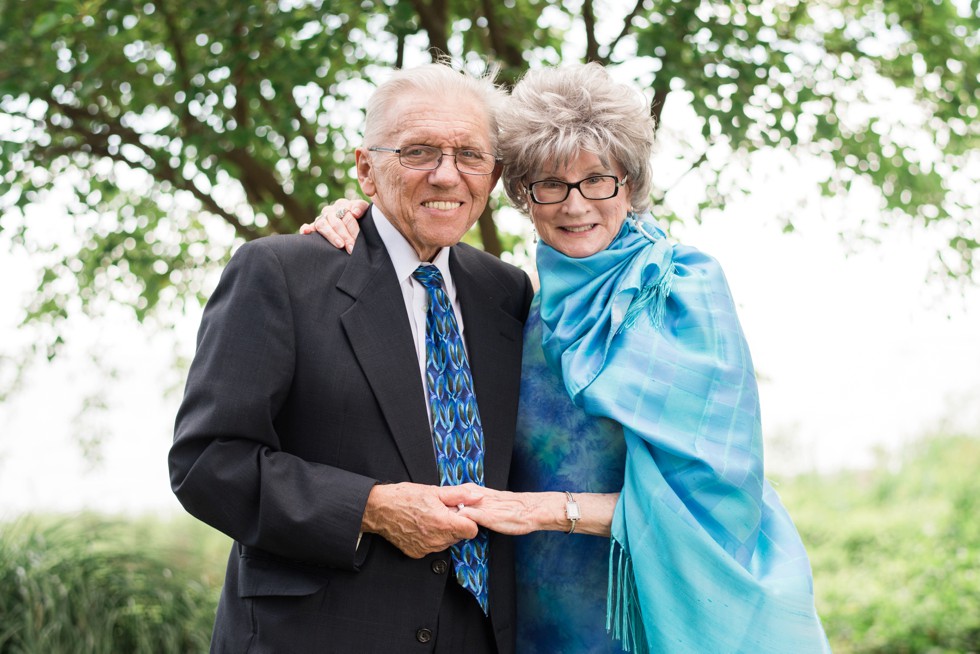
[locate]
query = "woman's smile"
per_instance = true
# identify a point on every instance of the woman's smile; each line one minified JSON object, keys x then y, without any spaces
{"x":579,"y":229}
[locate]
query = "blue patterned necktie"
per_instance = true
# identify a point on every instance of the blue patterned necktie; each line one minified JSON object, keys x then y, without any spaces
{"x":456,"y":427}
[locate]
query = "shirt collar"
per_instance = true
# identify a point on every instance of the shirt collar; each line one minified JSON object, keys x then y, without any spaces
{"x":404,"y":257}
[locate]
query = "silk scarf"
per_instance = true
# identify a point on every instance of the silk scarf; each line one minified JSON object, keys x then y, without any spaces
{"x":703,"y":556}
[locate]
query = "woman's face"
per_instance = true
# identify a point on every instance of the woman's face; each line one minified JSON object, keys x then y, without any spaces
{"x":578,"y":227}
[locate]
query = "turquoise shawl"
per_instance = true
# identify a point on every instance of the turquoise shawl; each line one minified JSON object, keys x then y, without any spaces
{"x":703,"y":558}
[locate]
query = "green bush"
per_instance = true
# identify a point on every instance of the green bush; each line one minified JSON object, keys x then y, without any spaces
{"x":896,"y":550}
{"x":87,"y":585}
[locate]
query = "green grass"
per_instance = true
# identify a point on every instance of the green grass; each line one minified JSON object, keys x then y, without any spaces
{"x":895,"y":554}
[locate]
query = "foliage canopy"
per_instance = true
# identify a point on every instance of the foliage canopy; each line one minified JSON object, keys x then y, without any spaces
{"x":176,"y":129}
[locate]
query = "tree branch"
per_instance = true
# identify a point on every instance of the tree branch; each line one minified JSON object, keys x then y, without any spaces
{"x":588,"y":17}
{"x":657,"y":104}
{"x":399,"y":50}
{"x":238,"y":76}
{"x":627,"y":27}
{"x":694,"y":166}
{"x":180,"y":57}
{"x":488,"y":232}
{"x":309,"y":136}
{"x":260,"y":175}
{"x":433,"y":17}
{"x":161,"y":170}
{"x":182,"y":67}
{"x":499,"y":38}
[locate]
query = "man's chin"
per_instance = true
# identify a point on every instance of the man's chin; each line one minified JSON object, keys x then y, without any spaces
{"x":448,"y":231}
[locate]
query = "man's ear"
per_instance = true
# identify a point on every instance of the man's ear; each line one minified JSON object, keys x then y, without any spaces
{"x":365,"y":171}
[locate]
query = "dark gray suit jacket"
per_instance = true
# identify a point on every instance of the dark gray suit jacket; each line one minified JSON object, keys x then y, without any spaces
{"x":305,"y":392}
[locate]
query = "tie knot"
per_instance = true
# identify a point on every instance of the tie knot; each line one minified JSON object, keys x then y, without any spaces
{"x":428,"y":276}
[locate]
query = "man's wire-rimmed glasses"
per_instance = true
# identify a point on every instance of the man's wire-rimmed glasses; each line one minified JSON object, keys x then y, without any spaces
{"x":427,"y":157}
{"x":594,"y":187}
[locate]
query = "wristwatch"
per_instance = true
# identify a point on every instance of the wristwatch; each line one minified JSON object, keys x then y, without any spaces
{"x":571,"y":511}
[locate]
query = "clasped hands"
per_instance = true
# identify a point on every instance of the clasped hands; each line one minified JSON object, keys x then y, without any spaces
{"x":420,"y":519}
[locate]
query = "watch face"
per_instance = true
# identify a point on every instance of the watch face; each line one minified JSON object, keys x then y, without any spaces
{"x":571,"y":511}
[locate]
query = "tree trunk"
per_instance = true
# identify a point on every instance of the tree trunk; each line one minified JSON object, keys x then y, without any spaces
{"x":488,"y":233}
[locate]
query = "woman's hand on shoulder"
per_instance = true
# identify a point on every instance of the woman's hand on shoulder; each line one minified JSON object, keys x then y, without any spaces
{"x":337,"y":223}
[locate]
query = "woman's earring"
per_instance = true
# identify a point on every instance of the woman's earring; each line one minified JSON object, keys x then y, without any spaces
{"x":534,"y":235}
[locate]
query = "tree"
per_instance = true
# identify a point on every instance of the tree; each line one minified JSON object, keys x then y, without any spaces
{"x":179,"y":127}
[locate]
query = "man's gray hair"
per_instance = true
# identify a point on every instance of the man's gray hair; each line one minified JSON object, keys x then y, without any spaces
{"x":434,"y":80}
{"x":555,"y":113}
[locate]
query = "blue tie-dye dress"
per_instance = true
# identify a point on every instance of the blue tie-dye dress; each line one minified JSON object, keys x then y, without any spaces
{"x":561,"y":579}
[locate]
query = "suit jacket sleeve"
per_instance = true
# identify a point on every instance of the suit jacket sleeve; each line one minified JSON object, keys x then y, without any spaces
{"x":227,"y":465}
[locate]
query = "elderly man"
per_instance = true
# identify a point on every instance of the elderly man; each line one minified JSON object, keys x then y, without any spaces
{"x":335,"y":401}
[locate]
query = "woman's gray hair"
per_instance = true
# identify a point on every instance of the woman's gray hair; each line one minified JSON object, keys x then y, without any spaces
{"x":435,"y":80}
{"x":555,"y":113}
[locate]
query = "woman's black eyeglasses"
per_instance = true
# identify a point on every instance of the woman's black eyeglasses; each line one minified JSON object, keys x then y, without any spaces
{"x":596,"y":187}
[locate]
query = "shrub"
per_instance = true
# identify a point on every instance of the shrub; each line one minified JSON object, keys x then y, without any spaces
{"x":87,"y":585}
{"x":896,"y":550}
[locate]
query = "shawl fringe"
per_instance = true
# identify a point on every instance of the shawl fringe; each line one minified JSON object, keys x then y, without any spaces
{"x":652,"y":297}
{"x":624,"y":621}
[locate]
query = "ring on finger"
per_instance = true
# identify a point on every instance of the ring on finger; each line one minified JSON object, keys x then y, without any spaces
{"x":340,"y":213}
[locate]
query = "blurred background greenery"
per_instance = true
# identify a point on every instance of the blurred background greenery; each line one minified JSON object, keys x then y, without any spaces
{"x":895,"y":553}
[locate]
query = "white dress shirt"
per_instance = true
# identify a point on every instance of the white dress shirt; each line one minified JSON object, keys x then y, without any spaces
{"x":405,"y":260}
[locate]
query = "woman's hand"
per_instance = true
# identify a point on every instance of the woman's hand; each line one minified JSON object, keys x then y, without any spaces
{"x":337,"y":223}
{"x":500,"y":511}
{"x":522,"y":513}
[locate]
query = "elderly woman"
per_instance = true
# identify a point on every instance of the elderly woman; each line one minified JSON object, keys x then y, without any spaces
{"x":639,"y":415}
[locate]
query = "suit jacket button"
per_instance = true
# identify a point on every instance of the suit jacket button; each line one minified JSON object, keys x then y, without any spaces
{"x":423,"y":635}
{"x":439,"y":567}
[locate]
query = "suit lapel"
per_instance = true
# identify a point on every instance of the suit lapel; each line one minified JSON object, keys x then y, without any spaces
{"x":490,"y":338}
{"x":381,"y":338}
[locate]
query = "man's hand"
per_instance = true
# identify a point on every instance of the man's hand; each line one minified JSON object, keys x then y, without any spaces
{"x":337,"y":223}
{"x":413,"y":518}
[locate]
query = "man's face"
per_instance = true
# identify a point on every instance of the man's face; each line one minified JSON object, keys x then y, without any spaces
{"x":431,"y":208}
